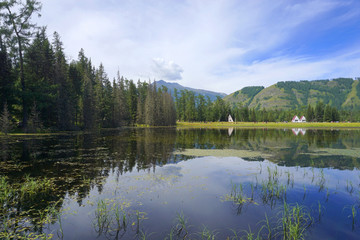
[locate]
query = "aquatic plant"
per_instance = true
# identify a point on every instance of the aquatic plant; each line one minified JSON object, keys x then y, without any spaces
{"x":103,"y":217}
{"x":181,"y":226}
{"x":206,"y":234}
{"x":353,"y":213}
{"x":267,"y":226}
{"x":271,"y":191}
{"x":249,"y":235}
{"x":294,"y":221}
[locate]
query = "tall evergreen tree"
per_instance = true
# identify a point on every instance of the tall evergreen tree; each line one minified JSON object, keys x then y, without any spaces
{"x":7,"y":79}
{"x":39,"y":62}
{"x":65,"y":101}
{"x":327,"y":113}
{"x":16,"y":15}
{"x":319,"y":111}
{"x":5,"y":120}
{"x":310,"y":115}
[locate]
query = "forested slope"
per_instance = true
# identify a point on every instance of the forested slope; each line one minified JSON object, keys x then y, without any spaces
{"x":342,"y":93}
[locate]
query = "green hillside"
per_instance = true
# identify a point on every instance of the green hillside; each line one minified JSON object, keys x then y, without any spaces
{"x":340,"y":93}
{"x":243,"y":96}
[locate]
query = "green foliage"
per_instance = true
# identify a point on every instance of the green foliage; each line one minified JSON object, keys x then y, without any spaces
{"x":159,"y":107}
{"x":5,"y":120}
{"x":18,"y":30}
{"x":251,"y":91}
{"x":338,"y":93}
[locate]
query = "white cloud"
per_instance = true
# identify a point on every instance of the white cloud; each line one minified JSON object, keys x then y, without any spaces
{"x":167,"y":70}
{"x":220,"y":45}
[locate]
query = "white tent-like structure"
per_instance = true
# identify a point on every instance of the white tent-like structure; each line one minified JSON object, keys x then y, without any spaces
{"x":303,"y":119}
{"x":295,"y":119}
{"x":230,"y":119}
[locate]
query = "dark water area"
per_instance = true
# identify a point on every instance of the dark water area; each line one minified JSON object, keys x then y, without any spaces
{"x":167,"y":183}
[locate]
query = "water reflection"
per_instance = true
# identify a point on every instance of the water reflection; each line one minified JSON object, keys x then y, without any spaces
{"x":297,"y":131}
{"x":78,"y":164}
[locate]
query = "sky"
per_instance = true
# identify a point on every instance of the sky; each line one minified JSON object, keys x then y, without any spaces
{"x":217,"y":45}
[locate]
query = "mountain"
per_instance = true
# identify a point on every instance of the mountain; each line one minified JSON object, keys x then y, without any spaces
{"x":172,"y":86}
{"x":341,"y":93}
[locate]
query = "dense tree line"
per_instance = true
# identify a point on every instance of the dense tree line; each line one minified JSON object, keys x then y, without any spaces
{"x":201,"y":109}
{"x":40,"y":89}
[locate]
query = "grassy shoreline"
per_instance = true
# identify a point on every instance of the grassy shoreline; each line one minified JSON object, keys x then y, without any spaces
{"x":327,"y":125}
{"x":314,"y":125}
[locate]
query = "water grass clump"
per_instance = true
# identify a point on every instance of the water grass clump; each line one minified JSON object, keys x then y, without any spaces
{"x":294,"y":221}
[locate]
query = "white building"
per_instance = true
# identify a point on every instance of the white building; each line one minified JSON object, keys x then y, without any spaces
{"x":295,"y":119}
{"x":303,"y":119}
{"x":230,"y":119}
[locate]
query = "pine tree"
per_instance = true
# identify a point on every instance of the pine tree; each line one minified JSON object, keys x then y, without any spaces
{"x":335,"y":114}
{"x":65,"y":101}
{"x":310,"y":116}
{"x":35,"y":123}
{"x":39,"y":62}
{"x":7,"y":78}
{"x":5,"y":120}
{"x":319,"y":111}
{"x":18,"y":28}
{"x":89,"y":107}
{"x":327,"y":113}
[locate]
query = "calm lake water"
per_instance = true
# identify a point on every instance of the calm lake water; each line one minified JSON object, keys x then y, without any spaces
{"x":168,"y":183}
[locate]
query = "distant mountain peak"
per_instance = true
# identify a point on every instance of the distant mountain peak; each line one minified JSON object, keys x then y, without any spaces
{"x":172,"y":85}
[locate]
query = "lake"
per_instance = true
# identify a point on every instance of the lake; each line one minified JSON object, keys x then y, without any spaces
{"x":167,"y":183}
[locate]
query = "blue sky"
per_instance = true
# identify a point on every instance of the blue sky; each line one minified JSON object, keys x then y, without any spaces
{"x":221,"y":45}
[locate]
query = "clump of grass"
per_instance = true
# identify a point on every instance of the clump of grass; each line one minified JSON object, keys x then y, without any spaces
{"x":249,"y":235}
{"x":272,"y":190}
{"x":294,"y":221}
{"x":33,"y":187}
{"x":6,"y":192}
{"x":237,"y":194}
{"x":112,"y":218}
{"x":353,"y":214}
{"x":181,"y":226}
{"x":206,"y":234}
{"x":103,"y":217}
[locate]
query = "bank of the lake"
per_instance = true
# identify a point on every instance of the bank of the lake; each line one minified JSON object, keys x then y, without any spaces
{"x":328,"y":125}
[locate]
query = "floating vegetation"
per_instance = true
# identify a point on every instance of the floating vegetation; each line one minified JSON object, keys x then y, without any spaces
{"x":223,"y":153}
{"x":355,"y":152}
{"x":23,"y":223}
{"x":237,"y":195}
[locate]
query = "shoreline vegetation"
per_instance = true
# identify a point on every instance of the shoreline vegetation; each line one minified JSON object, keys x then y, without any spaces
{"x":274,"y":125}
{"x":327,"y":125}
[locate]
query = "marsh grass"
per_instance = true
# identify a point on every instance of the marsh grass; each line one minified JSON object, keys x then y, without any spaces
{"x":32,"y":187}
{"x":112,"y":218}
{"x":238,"y":196}
{"x":353,"y":213}
{"x":206,"y":234}
{"x":249,"y":235}
{"x":272,"y":191}
{"x":26,"y":223}
{"x":294,"y":221}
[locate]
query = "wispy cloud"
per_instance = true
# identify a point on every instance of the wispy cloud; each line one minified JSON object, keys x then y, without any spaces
{"x":216,"y":45}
